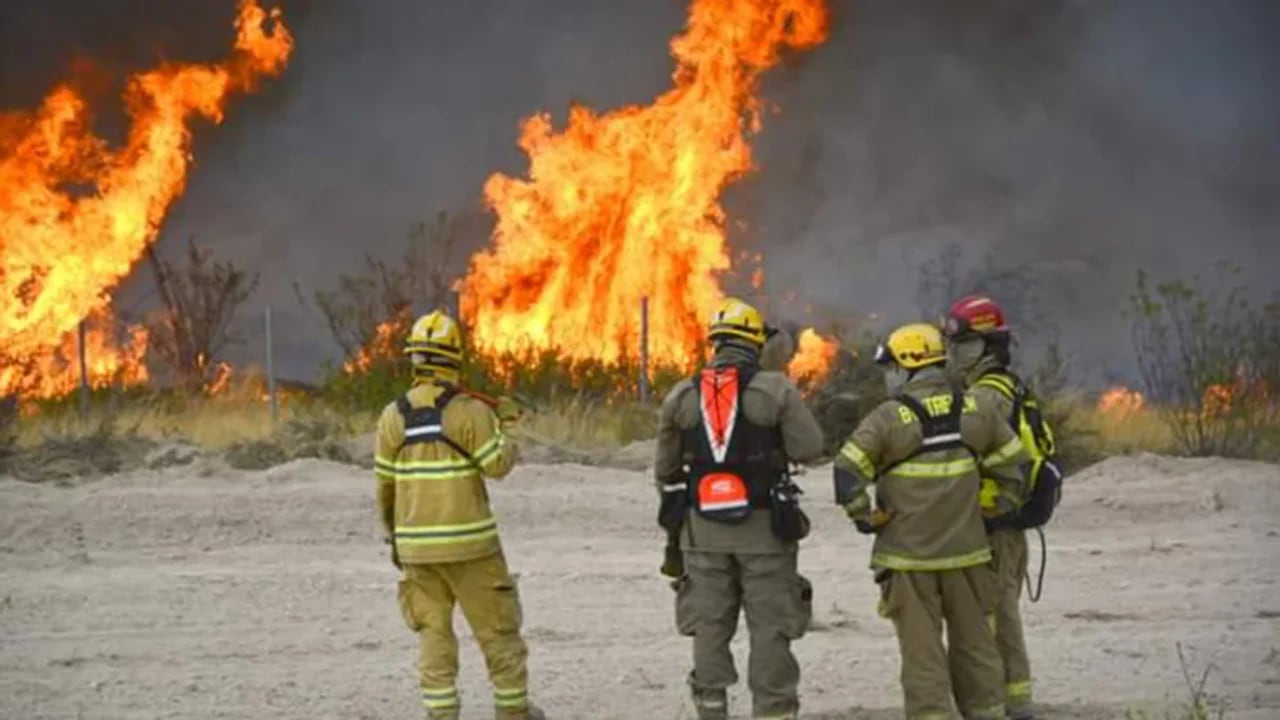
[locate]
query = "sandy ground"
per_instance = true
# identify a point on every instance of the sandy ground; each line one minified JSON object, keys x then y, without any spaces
{"x":200,"y":592}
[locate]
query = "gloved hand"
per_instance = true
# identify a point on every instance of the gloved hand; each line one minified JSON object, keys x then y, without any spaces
{"x":508,"y":410}
{"x":672,"y":561}
{"x":873,"y":523}
{"x":859,"y":511}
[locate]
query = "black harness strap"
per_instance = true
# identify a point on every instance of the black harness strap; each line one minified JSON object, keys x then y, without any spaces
{"x":426,"y":424}
{"x":938,"y":432}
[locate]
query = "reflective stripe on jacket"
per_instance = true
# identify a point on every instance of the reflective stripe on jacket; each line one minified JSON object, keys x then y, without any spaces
{"x":440,"y":504}
{"x":933,"y":497}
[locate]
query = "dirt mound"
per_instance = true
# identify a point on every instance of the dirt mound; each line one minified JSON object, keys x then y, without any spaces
{"x":69,"y":459}
{"x":296,"y":439}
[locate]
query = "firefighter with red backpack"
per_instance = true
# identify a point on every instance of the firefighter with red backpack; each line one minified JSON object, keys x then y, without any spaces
{"x":978,"y":346}
{"x":726,"y":438}
{"x":910,"y":474}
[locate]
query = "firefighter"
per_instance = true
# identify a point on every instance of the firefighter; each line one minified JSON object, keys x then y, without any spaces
{"x":725,"y":439}
{"x":434,"y":447}
{"x":978,"y":347}
{"x":910,"y":475}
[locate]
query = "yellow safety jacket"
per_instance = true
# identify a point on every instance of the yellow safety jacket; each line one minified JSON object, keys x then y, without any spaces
{"x":434,"y":447}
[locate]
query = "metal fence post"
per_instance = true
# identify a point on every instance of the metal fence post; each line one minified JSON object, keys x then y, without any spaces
{"x":644,"y":349}
{"x":84,"y":372}
{"x":271,"y":370}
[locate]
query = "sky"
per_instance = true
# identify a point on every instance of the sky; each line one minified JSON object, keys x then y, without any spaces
{"x":1064,"y":143}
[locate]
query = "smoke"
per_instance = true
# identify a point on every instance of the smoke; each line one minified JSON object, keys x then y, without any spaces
{"x":1078,"y":141}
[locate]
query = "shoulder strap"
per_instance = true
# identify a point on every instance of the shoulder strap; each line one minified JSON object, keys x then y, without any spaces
{"x":1009,"y":385}
{"x":426,"y":424}
{"x":938,"y":432}
{"x":942,"y":431}
{"x":1002,"y":381}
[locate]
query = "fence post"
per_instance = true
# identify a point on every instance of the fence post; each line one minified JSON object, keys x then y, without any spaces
{"x":84,"y":372}
{"x":644,"y":349}
{"x":271,"y":370}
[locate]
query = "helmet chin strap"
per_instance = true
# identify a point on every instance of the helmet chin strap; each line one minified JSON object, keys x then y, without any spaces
{"x":422,"y":373}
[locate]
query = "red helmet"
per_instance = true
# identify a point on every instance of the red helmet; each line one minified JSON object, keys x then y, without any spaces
{"x":975,"y":315}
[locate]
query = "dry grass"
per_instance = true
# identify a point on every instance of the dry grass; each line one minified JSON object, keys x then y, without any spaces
{"x":212,"y":423}
{"x":240,"y":417}
{"x":587,"y":425}
{"x":1101,"y":433}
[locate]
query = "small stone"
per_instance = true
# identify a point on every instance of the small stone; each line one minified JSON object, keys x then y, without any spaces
{"x":1211,"y":501}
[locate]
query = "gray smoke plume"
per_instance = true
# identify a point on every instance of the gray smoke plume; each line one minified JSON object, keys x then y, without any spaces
{"x":1074,"y":142}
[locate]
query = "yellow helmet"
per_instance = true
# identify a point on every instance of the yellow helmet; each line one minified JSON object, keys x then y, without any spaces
{"x":913,"y":346}
{"x":435,"y":340}
{"x":734,"y":318}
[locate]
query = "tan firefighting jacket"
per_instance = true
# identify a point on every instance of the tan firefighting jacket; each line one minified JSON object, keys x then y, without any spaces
{"x":435,"y":499}
{"x":1004,"y":406}
{"x":932,"y":498}
{"x":770,"y":399}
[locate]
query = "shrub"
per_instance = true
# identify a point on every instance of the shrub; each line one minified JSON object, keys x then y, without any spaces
{"x":1210,"y":361}
{"x":200,"y":301}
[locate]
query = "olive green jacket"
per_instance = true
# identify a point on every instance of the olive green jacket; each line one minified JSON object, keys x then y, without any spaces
{"x":932,"y":499}
{"x":770,"y":399}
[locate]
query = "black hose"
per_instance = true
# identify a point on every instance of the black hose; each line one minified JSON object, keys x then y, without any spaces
{"x":1044,"y":558}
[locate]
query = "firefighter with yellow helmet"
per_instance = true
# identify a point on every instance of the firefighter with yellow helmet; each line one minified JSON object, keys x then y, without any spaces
{"x":979,"y":349}
{"x":725,"y":439}
{"x":910,"y":475}
{"x":435,"y":445}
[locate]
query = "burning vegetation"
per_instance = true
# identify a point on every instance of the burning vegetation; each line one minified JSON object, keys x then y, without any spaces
{"x":625,"y":205}
{"x":63,"y":252}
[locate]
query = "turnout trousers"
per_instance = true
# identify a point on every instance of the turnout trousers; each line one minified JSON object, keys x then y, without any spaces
{"x":924,"y":605}
{"x":778,"y":604}
{"x":1009,"y":547}
{"x":490,"y":603}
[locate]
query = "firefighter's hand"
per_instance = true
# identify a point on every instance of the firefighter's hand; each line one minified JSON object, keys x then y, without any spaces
{"x":859,"y":508}
{"x":672,"y":561}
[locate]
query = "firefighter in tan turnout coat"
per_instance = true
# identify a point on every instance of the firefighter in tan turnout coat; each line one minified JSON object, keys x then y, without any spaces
{"x":731,"y":514}
{"x":978,"y":346}
{"x":910,"y":474}
{"x":434,"y":447}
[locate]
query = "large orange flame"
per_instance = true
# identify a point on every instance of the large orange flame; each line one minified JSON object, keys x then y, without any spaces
{"x":625,"y":205}
{"x":813,"y":358}
{"x":62,"y":252}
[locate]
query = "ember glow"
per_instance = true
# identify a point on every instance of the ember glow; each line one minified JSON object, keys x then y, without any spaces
{"x":63,"y":252}
{"x":626,"y":205}
{"x":813,"y":358}
{"x":1121,"y":402}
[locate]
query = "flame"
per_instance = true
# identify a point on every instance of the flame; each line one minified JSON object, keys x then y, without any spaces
{"x":62,"y":252}
{"x":221,"y":380}
{"x":625,"y":205}
{"x":1244,"y":395}
{"x":57,"y":372}
{"x":1121,"y":402}
{"x":813,"y":358}
{"x":381,"y":345}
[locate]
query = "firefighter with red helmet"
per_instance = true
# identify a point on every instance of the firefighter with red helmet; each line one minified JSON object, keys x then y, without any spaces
{"x":979,"y":348}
